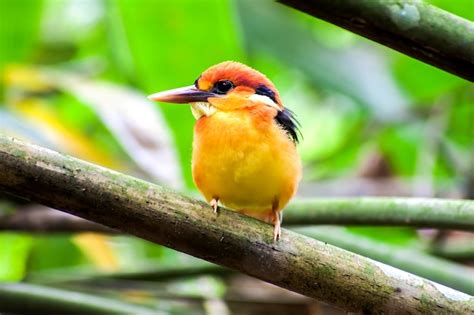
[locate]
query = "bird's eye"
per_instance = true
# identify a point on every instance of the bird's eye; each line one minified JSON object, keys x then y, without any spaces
{"x":222,"y":87}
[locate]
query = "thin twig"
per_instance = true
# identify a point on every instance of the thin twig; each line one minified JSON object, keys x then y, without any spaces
{"x":419,"y":212}
{"x":34,"y":299}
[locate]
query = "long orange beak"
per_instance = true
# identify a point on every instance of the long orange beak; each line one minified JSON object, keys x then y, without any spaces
{"x":188,"y":94}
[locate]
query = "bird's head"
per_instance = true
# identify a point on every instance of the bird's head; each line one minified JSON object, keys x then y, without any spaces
{"x":226,"y":86}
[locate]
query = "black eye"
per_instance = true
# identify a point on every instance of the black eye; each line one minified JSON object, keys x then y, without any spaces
{"x":222,"y":87}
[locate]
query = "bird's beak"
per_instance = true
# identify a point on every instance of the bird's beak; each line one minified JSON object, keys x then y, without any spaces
{"x":188,"y":94}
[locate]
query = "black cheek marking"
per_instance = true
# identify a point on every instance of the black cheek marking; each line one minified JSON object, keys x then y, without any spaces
{"x":286,"y":120}
{"x":264,"y":90}
{"x":196,"y":82}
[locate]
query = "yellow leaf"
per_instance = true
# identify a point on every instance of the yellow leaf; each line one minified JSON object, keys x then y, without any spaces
{"x":97,"y":249}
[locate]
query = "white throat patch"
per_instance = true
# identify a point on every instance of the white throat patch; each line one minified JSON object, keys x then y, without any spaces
{"x":200,"y":109}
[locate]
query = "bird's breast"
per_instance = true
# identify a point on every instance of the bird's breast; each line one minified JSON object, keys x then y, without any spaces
{"x":244,"y":159}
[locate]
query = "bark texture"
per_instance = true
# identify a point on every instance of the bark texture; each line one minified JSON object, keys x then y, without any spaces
{"x":296,"y":262}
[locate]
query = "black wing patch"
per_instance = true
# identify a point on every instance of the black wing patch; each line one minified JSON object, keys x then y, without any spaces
{"x":286,"y":119}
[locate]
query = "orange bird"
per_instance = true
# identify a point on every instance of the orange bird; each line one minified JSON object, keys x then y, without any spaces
{"x":244,"y":148}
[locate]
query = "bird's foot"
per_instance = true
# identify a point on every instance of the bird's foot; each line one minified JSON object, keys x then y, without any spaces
{"x":277,"y":218}
{"x":276,"y":232}
{"x":214,"y":205}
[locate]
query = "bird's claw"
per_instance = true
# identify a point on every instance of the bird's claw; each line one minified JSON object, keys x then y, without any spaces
{"x":276,"y":233}
{"x":214,"y":205}
{"x":277,"y":217}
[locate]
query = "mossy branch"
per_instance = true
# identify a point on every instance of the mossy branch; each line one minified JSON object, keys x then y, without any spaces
{"x":414,"y":28}
{"x":296,"y":262}
{"x":404,"y":257}
{"x":419,"y":212}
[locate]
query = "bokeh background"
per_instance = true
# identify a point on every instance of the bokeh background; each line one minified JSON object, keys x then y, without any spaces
{"x":74,"y":75}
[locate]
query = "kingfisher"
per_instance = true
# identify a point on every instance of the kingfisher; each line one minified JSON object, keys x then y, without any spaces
{"x":244,"y":146}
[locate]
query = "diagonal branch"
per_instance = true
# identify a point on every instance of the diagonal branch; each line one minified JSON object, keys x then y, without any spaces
{"x":414,"y":28}
{"x":296,"y":262}
{"x":406,"y":257}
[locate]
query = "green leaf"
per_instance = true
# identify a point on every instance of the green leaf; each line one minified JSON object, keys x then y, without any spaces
{"x":131,"y":123}
{"x":19,"y":29}
{"x":43,"y":255}
{"x":13,"y":255}
{"x":400,"y":144}
{"x":463,"y":8}
{"x":359,"y":72}
{"x":390,"y":235}
{"x":170,"y":43}
{"x":421,"y":81}
{"x":460,"y":127}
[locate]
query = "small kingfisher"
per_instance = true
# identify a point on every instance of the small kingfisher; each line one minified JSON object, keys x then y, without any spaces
{"x":244,"y":148}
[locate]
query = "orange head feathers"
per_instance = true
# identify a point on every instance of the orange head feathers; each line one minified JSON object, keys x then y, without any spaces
{"x":231,"y":85}
{"x":243,"y":79}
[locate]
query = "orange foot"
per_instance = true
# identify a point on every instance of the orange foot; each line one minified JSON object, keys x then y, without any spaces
{"x":276,"y":227}
{"x":276,"y":218}
{"x":215,"y":204}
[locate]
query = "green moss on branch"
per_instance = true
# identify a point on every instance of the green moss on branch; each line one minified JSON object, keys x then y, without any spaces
{"x":406,"y":258}
{"x":296,"y":262}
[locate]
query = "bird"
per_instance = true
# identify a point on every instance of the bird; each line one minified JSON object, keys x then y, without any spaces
{"x":244,"y":153}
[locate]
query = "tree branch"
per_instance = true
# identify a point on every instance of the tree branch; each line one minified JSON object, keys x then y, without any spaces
{"x":152,"y":273}
{"x":414,"y":28}
{"x":34,"y":299}
{"x":419,"y":212}
{"x":462,"y":249}
{"x":296,"y":262}
{"x":40,"y":219}
{"x":407,"y":258}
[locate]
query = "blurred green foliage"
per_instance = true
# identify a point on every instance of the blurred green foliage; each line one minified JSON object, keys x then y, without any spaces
{"x":353,"y":97}
{"x":179,"y":41}
{"x":14,"y":255}
{"x":19,"y":24}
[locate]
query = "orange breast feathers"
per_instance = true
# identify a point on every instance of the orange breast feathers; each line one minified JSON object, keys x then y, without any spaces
{"x":246,"y":160}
